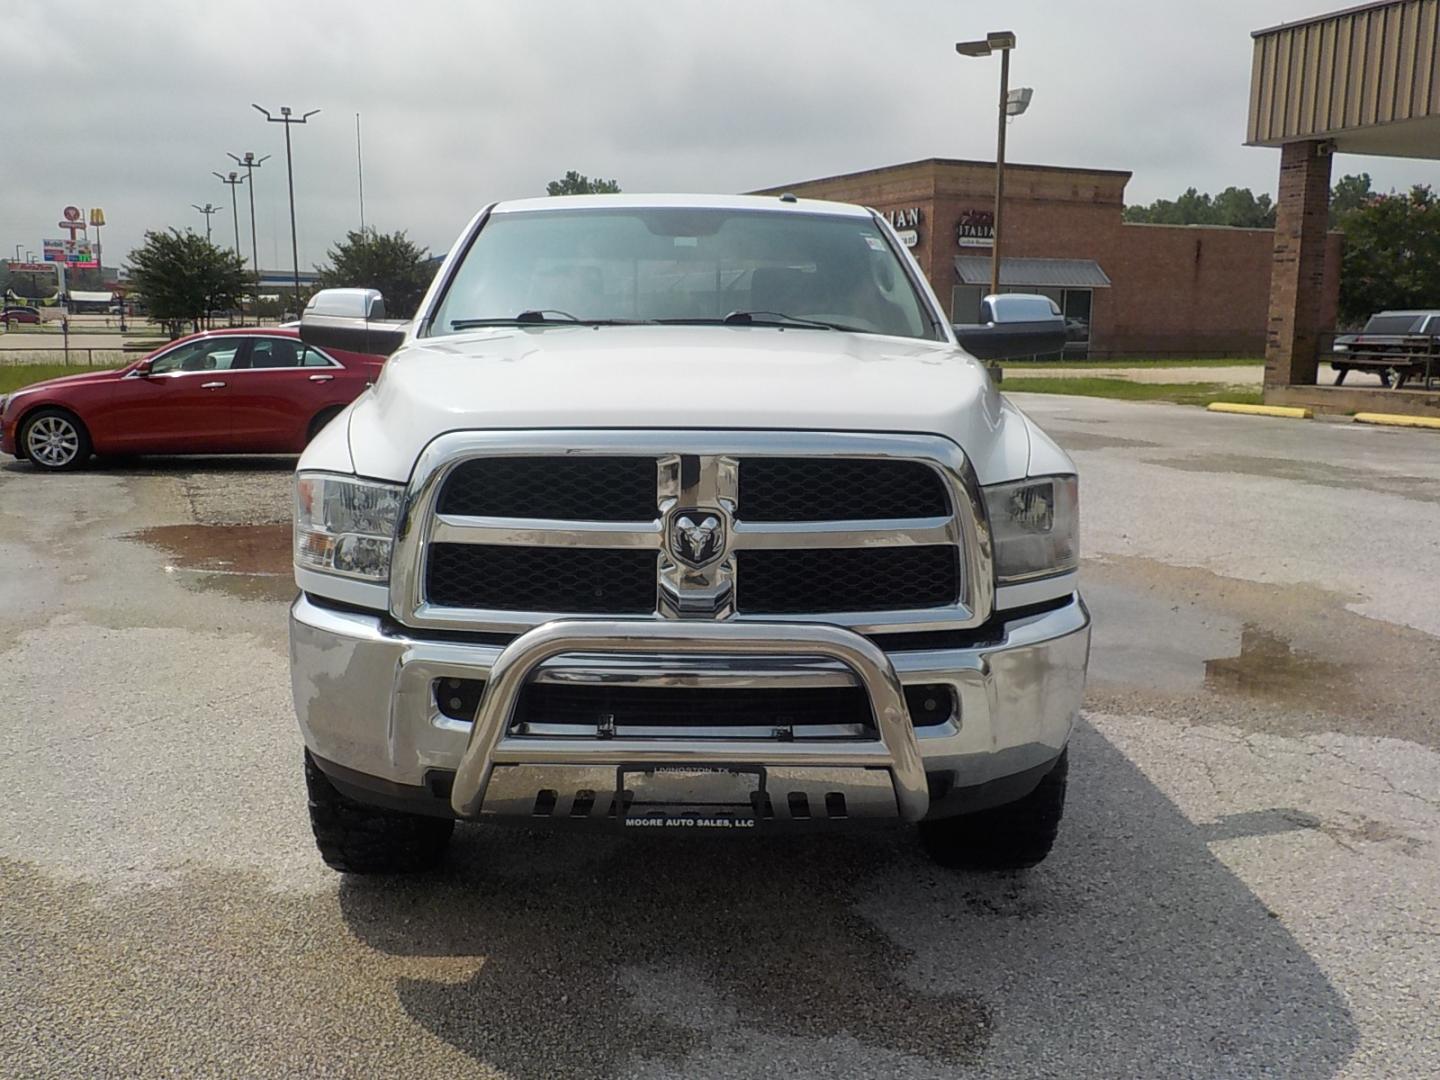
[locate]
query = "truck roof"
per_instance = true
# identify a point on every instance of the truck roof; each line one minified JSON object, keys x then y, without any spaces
{"x":704,"y":202}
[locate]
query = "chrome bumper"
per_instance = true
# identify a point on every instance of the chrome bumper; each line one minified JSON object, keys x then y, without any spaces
{"x":365,"y":701}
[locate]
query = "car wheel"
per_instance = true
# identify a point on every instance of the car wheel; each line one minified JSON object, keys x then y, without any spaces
{"x":356,"y":838}
{"x":317,"y":425}
{"x":1010,"y":837}
{"x":55,"y":439}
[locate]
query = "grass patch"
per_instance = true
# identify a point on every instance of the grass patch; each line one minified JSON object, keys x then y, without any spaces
{"x":1125,"y":390}
{"x":14,"y":376}
{"x":1081,"y":365}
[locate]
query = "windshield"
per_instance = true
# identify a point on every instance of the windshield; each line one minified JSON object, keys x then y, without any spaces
{"x":1393,"y":324}
{"x":683,"y":265}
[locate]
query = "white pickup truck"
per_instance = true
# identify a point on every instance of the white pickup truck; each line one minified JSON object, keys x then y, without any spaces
{"x":684,"y":512}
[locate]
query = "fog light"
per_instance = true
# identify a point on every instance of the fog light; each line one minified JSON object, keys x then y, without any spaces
{"x":930,"y":704}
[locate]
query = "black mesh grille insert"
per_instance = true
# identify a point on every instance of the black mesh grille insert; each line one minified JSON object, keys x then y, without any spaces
{"x":566,"y":488}
{"x":692,"y":706}
{"x":803,"y":580}
{"x":616,"y":581}
{"x":836,"y":489}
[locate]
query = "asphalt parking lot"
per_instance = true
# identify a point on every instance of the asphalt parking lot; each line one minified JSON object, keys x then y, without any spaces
{"x":1247,"y":882}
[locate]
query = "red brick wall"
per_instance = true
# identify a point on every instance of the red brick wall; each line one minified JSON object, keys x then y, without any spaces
{"x":1175,"y":289}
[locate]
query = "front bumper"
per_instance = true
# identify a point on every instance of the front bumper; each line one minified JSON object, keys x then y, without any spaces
{"x":364,"y":698}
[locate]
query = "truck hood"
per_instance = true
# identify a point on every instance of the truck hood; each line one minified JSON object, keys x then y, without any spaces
{"x":710,"y":377}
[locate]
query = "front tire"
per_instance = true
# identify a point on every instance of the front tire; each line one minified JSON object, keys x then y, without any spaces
{"x":55,"y":440}
{"x":1010,"y":837}
{"x":321,"y":419}
{"x":356,"y":838}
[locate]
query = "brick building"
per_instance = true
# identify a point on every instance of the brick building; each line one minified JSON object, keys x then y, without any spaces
{"x":1126,"y":289}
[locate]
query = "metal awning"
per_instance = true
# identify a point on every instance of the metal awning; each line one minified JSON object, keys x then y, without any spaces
{"x":1034,"y":273}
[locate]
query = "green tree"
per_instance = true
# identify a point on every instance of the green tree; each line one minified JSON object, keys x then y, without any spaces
{"x":1392,"y":253}
{"x":1349,"y":193}
{"x":573,"y":183}
{"x":1239,"y":207}
{"x":183,"y":277}
{"x":390,"y":262}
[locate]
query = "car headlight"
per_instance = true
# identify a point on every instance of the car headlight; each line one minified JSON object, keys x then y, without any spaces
{"x":1035,"y":527}
{"x":1342,"y":348}
{"x":344,"y":525}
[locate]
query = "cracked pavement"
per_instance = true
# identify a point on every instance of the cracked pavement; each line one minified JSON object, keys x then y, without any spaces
{"x":1247,"y":882}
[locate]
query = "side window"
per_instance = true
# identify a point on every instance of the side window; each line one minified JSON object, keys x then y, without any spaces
{"x":217,"y":354}
{"x":313,"y":358}
{"x":273,"y":353}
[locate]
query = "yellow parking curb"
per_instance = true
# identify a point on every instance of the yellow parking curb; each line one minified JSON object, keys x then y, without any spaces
{"x":1288,"y":411}
{"x":1397,"y":419}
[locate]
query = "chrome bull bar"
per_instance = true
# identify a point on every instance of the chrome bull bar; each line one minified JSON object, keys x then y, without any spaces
{"x":491,"y":745}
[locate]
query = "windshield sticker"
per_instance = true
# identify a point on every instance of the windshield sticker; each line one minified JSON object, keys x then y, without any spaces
{"x":876,"y":244}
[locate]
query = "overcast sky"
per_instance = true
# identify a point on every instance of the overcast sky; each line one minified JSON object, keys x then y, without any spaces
{"x":130,"y":106}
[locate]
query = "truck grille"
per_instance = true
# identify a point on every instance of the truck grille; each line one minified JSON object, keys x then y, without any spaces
{"x":510,"y":529}
{"x":692,"y":707}
{"x":826,"y":489}
{"x":590,"y":581}
{"x":790,"y":582}
{"x":566,"y":488}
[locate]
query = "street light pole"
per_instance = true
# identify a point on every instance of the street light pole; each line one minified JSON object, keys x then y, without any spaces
{"x":207,"y":210}
{"x":250,"y":163}
{"x":287,"y":119}
{"x":1001,"y":41}
{"x":233,"y":179}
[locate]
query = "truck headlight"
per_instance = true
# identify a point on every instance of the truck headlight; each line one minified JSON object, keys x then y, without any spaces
{"x":344,"y":525}
{"x":1035,"y":527}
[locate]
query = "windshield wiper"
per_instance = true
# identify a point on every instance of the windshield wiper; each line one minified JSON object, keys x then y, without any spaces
{"x":768,"y":318}
{"x":542,"y":317}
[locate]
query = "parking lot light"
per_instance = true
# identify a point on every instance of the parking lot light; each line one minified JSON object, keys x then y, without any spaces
{"x":287,"y":119}
{"x":250,"y":163}
{"x":1001,"y":41}
{"x":230,"y":181}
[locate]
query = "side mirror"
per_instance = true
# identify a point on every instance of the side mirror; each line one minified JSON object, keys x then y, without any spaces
{"x":143,"y":368}
{"x":352,"y":320}
{"x":1013,"y":325}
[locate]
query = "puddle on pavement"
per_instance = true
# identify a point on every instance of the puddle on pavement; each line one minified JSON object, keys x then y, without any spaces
{"x":251,"y":562}
{"x":1187,"y":643}
{"x":1320,"y":473}
{"x":1268,"y":667}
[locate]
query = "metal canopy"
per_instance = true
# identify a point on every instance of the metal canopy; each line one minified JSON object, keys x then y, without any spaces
{"x":1034,"y":273}
{"x":1367,"y":79}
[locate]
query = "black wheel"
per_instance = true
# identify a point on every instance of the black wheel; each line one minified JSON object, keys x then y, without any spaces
{"x":1009,"y":837}
{"x":321,"y":419}
{"x":55,"y":439}
{"x":355,"y":838}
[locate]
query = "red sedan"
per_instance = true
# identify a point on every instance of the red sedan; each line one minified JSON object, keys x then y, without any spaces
{"x":222,"y":392}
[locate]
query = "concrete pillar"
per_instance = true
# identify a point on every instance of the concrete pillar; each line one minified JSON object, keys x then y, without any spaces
{"x":1297,"y":275}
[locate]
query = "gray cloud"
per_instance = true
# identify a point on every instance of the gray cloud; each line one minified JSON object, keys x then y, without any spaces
{"x":131,"y":107}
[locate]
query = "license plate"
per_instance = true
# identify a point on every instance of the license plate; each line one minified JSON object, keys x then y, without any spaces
{"x":690,"y":796}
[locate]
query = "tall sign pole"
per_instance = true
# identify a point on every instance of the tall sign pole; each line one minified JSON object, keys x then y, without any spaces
{"x":1000,"y":171}
{"x":287,"y":119}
